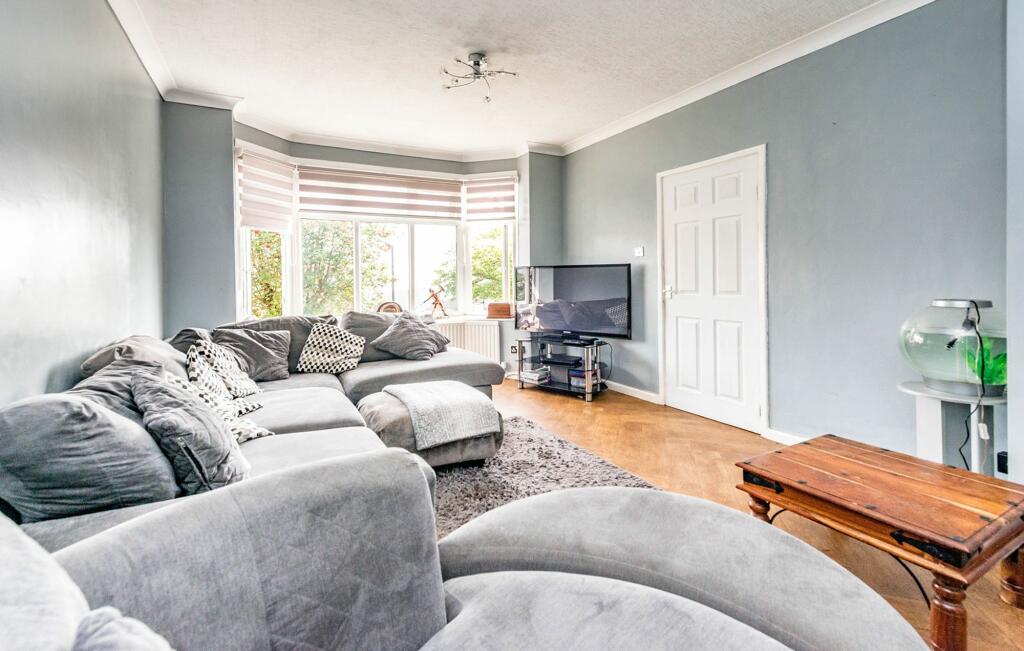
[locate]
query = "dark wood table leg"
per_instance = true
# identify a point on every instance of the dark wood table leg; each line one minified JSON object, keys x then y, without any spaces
{"x":759,"y":508}
{"x":949,"y":616}
{"x":1011,"y":585}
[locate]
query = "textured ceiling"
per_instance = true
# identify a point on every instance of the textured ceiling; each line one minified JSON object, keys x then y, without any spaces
{"x":369,"y":70}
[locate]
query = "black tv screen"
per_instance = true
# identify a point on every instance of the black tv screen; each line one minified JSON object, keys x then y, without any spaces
{"x":578,"y":299}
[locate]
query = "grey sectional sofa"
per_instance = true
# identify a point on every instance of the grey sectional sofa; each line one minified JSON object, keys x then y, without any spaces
{"x":341,"y":554}
{"x":313,"y":416}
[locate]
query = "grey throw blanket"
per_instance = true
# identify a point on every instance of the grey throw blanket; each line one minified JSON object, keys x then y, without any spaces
{"x":446,"y":411}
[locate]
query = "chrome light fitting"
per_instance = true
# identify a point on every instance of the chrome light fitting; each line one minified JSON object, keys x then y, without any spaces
{"x":478,"y":70}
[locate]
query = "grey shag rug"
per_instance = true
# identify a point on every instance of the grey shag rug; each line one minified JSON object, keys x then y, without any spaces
{"x":531,"y":461}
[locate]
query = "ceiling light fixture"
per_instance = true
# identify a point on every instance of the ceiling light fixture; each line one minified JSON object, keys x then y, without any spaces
{"x":478,"y":70}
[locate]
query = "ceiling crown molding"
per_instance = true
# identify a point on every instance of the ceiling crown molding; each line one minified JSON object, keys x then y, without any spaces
{"x":201,"y":98}
{"x":135,"y":27}
{"x":859,"y":21}
{"x":283,"y":132}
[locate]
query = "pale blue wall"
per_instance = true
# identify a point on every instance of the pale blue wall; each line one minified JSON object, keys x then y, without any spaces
{"x":885,"y":189}
{"x":80,"y":192}
{"x":1015,"y":224}
{"x":546,"y":200}
{"x":199,"y":231}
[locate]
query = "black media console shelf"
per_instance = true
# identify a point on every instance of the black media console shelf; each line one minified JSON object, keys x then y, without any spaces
{"x":575,"y":367}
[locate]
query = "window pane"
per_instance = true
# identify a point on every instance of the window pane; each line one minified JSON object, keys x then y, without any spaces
{"x":383,"y":264}
{"x":328,"y":266}
{"x":487,"y":245}
{"x":266,"y":264}
{"x":435,"y":265}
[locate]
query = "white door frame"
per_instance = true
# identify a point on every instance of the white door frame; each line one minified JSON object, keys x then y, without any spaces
{"x":762,"y":273}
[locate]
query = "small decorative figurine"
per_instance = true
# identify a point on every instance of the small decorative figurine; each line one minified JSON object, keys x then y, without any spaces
{"x":435,"y":300}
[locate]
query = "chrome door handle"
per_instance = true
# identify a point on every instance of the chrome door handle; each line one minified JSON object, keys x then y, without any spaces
{"x":667,"y":293}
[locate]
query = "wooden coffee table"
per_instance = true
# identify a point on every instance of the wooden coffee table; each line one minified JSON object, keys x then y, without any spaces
{"x":954,"y":523}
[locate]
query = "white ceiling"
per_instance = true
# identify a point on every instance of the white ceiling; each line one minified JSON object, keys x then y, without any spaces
{"x":368,"y":70}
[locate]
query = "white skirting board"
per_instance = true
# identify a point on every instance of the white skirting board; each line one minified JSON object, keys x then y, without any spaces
{"x":636,"y":393}
{"x":775,"y":435}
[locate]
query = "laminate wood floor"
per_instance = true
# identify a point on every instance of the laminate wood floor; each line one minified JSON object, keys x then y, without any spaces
{"x":684,"y":453}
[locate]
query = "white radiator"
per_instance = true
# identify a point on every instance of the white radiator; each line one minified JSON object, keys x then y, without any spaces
{"x":482,"y":337}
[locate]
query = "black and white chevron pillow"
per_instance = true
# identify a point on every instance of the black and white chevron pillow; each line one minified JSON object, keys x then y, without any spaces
{"x":240,"y":428}
{"x":330,"y":349}
{"x":205,"y":378}
{"x":225,"y":363}
{"x":210,"y":388}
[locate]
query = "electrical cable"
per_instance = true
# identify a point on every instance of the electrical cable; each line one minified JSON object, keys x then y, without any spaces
{"x":924,"y":594}
{"x":917,"y":582}
{"x":980,"y":358}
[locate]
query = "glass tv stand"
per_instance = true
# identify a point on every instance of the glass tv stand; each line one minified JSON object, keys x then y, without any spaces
{"x":568,"y":365}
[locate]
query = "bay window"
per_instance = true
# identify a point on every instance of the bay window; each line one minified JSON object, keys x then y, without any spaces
{"x":317,"y":240}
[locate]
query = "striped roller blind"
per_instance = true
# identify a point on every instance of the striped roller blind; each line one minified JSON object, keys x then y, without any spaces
{"x":327,"y":190}
{"x":265,"y":192}
{"x":493,"y":198}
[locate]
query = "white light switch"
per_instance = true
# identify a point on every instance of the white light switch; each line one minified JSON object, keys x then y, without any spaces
{"x":638,"y":252}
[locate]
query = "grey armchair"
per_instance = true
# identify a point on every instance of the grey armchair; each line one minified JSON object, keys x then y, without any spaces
{"x":341,"y":554}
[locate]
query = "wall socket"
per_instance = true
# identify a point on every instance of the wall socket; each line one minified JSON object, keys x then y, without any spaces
{"x":515,"y":350}
{"x":638,"y":251}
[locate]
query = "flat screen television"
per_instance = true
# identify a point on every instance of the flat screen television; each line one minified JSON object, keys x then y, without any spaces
{"x":591,"y":299}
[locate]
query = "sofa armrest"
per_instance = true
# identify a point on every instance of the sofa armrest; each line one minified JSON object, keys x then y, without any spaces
{"x":714,"y":555}
{"x":338,"y":553}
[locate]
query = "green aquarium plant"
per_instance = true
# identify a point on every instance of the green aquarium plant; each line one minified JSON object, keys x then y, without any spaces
{"x":994,"y":365}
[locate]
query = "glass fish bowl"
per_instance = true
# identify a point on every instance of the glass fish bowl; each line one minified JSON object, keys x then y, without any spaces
{"x":958,"y":346}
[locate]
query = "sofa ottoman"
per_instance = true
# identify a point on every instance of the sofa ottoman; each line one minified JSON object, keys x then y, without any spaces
{"x":389,"y":418}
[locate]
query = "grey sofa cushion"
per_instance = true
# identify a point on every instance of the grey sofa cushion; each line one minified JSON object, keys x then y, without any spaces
{"x":111,"y":386}
{"x":453,"y":364}
{"x":106,"y":629}
{"x":279,"y":452}
{"x":389,"y":418}
{"x":140,"y":348}
{"x":709,"y":553}
{"x":551,"y":610}
{"x":187,"y":337}
{"x":62,"y":532}
{"x":298,"y":328}
{"x":63,"y":454}
{"x":40,"y":606}
{"x":303,"y":381}
{"x":195,"y":438}
{"x":369,"y":326}
{"x":410,"y":338}
{"x":303,"y":410}
{"x":262,"y":355}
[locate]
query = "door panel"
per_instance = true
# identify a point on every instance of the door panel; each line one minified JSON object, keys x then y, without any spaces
{"x":710,"y":273}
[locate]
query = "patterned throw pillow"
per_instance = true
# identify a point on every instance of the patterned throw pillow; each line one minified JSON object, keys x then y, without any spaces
{"x":240,"y":428}
{"x":211,"y":388}
{"x":330,"y":349}
{"x":224,"y":362}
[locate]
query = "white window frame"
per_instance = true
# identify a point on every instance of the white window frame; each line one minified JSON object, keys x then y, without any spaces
{"x":291,"y":246}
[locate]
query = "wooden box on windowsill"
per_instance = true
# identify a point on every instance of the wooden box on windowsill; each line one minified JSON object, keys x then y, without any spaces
{"x":499,"y":310}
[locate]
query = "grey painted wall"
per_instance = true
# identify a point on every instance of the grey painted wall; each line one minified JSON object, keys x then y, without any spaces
{"x":199,"y":232}
{"x":885,"y":189}
{"x":546,"y":199}
{"x":79,"y":192}
{"x":523,"y":211}
{"x":1015,"y":225}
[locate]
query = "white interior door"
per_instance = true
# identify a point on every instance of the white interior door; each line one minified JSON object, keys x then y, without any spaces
{"x":712,"y":288}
